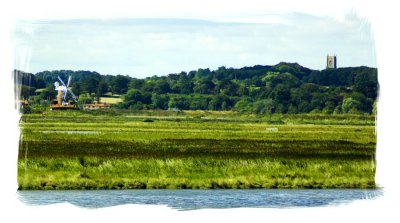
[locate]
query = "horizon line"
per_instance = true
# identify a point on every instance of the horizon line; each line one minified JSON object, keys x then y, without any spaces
{"x":249,"y":66}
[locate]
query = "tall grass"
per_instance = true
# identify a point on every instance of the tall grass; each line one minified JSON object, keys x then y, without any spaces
{"x":228,"y":150}
{"x":101,"y":173}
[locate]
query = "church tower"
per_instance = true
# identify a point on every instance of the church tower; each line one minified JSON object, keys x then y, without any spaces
{"x":331,"y":62}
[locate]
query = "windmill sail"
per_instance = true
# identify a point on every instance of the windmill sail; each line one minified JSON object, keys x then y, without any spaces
{"x":65,"y":93}
{"x":69,"y":81}
{"x":62,"y":82}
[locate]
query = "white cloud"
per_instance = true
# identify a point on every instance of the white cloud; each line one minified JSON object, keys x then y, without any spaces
{"x":145,"y":47}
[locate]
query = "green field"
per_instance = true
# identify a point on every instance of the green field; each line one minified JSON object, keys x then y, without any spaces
{"x":195,"y":149}
{"x":109,"y":100}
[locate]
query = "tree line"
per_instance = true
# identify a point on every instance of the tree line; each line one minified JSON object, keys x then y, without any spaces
{"x":282,"y":88}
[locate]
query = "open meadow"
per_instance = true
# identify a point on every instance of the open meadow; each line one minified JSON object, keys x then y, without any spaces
{"x":195,"y":149}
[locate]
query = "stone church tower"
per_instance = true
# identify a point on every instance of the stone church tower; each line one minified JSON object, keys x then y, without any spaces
{"x":331,"y":62}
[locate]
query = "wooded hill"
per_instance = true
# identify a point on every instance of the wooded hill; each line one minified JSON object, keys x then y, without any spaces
{"x":282,"y":88}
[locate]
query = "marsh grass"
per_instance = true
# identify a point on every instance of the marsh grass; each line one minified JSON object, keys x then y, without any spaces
{"x":194,"y":173}
{"x":186,"y":151}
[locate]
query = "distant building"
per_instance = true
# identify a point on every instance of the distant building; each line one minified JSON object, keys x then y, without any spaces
{"x":331,"y":62}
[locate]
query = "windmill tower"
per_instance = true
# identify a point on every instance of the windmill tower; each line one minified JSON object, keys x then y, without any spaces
{"x":331,"y":62}
{"x":59,"y":93}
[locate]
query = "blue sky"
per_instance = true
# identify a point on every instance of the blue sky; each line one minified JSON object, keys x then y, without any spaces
{"x":147,"y":47}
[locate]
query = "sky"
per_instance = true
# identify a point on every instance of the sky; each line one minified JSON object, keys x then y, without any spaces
{"x":144,"y":47}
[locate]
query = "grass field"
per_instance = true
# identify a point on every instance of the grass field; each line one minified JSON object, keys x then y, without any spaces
{"x":195,"y":149}
{"x":110,"y":100}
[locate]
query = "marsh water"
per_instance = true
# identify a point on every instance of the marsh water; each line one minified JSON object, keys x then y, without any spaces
{"x":200,"y":199}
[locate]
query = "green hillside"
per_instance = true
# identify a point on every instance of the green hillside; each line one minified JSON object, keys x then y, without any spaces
{"x":282,"y":88}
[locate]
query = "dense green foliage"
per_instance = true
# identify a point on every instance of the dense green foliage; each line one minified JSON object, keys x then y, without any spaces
{"x":115,"y":149}
{"x":283,"y":88}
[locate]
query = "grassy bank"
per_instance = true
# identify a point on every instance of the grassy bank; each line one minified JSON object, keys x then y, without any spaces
{"x":160,"y":149}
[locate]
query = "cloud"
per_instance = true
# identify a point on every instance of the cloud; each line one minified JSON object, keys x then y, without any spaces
{"x":146,"y":47}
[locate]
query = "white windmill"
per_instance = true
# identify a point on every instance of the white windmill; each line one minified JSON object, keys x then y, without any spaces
{"x":63,"y":91}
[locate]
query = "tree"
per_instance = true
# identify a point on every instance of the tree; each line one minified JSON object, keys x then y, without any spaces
{"x":365,"y":103}
{"x":26,"y":91}
{"x":161,"y":86}
{"x":183,"y":85}
{"x":351,"y":105}
{"x":199,"y":102}
{"x":200,"y":73}
{"x":119,"y":85}
{"x":85,"y":99}
{"x":160,"y":101}
{"x":48,"y":94}
{"x":132,"y":97}
{"x":90,"y":85}
{"x":135,"y":83}
{"x":40,"y":83}
{"x":304,"y":107}
{"x":281,"y":94}
{"x":220,"y":102}
{"x":254,"y":91}
{"x":242,"y":90}
{"x":265,"y":107}
{"x":102,"y":88}
{"x":76,"y":87}
{"x":22,"y":78}
{"x":149,"y":85}
{"x":243,"y":105}
{"x":318,"y":100}
{"x":178,"y":102}
{"x":227,"y":87}
{"x":329,"y":107}
{"x":286,"y":79}
{"x":366,"y":83}
{"x":203,"y":86}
